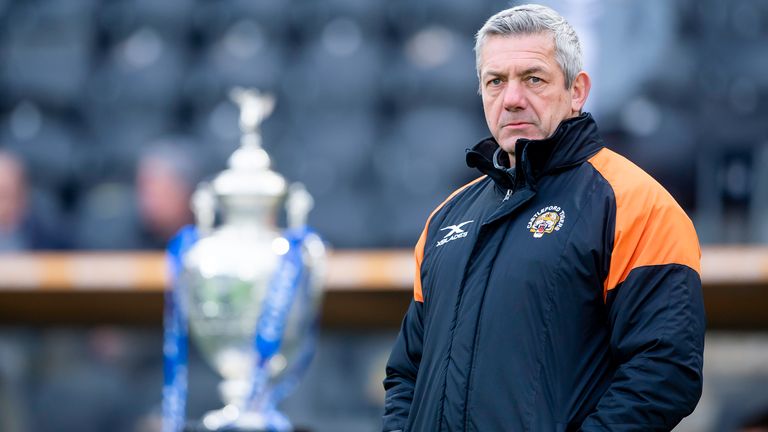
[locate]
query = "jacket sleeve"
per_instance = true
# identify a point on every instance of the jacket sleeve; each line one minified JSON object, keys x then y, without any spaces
{"x":657,"y":340}
{"x":402,"y":368}
{"x":655,"y":311}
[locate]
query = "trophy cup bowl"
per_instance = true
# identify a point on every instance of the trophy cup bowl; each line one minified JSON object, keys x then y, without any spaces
{"x":231,"y":282}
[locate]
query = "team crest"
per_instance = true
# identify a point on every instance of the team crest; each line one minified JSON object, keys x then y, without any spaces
{"x":546,"y":221}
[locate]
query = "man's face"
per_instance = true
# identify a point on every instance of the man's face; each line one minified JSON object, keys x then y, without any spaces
{"x":163,"y":197}
{"x":523,"y":88}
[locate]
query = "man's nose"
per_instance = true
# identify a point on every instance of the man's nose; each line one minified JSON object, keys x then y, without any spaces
{"x":514,"y":97}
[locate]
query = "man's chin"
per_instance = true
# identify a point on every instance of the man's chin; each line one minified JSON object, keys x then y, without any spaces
{"x":509,"y":142}
{"x":508,"y":145}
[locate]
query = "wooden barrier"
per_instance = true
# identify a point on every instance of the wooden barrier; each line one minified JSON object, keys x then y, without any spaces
{"x":364,"y":288}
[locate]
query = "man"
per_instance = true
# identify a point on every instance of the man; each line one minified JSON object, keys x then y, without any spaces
{"x":28,"y":221}
{"x":560,"y":291}
{"x":166,"y":176}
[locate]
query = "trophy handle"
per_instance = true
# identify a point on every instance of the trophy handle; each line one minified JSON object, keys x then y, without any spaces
{"x":298,"y":205}
{"x":204,"y":208}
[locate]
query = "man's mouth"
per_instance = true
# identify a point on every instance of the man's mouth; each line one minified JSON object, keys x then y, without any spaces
{"x":516,"y":125}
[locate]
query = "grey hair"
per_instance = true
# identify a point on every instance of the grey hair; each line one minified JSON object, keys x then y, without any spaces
{"x":534,"y":19}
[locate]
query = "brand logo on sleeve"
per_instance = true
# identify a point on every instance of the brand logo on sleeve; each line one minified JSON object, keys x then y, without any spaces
{"x":454,"y":232}
{"x":546,"y":221}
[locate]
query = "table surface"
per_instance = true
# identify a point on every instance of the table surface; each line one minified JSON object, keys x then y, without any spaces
{"x":363,"y":287}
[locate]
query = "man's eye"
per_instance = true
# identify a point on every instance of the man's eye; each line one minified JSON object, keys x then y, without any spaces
{"x":535,"y":80}
{"x":495,"y":81}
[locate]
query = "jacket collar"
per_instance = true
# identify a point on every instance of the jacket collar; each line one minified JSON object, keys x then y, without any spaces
{"x":575,"y":140}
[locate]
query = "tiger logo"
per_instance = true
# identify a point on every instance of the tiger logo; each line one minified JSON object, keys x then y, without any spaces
{"x":546,"y":221}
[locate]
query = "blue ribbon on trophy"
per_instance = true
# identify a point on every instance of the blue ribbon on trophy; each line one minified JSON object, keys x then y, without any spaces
{"x":175,"y":338}
{"x":310,"y":324}
{"x":289,"y":287}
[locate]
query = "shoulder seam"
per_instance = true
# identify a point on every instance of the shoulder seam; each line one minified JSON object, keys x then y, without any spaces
{"x":650,"y":227}
{"x":453,"y":196}
{"x":418,"y":250}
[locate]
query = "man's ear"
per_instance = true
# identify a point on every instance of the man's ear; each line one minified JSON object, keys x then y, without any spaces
{"x":580,"y":91}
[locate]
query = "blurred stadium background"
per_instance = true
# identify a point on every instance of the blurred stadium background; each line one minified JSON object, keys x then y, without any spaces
{"x":111,"y":112}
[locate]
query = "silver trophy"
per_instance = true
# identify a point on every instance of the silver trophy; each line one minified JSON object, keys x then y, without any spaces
{"x":252,"y":290}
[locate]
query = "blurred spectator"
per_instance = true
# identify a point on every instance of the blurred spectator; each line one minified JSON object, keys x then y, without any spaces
{"x":144,"y":215}
{"x":23,"y":225}
{"x":13,"y":201}
{"x":165,"y":179}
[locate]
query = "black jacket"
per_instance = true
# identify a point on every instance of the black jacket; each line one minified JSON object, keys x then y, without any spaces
{"x":561,"y":295}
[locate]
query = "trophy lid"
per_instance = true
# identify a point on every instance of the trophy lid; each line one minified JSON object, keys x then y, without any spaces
{"x":249,"y":172}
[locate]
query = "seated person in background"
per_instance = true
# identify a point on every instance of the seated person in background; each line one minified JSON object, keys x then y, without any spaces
{"x":24,"y":226}
{"x":165,"y":179}
{"x":144,"y":215}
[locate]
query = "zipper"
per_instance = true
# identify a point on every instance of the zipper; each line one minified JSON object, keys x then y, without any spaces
{"x":509,"y":194}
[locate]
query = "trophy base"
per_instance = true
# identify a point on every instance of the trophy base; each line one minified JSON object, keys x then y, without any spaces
{"x":200,"y":427}
{"x":229,"y":419}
